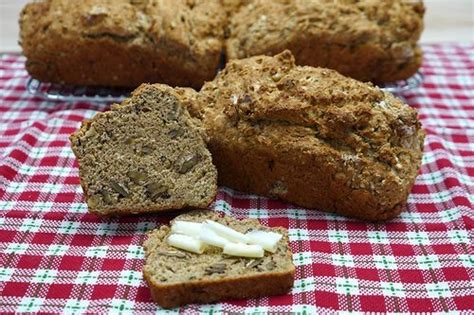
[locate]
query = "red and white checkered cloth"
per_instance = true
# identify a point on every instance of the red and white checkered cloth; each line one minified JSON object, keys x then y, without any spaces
{"x":55,"y":257}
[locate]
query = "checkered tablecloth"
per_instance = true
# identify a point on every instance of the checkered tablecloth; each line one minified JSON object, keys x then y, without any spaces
{"x":55,"y":257}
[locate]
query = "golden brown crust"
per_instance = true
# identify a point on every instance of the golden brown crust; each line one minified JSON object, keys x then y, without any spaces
{"x":311,"y":137}
{"x":169,"y":296}
{"x":126,"y":43}
{"x":241,"y":283}
{"x":123,"y":43}
{"x":232,"y":6}
{"x":367,"y":40}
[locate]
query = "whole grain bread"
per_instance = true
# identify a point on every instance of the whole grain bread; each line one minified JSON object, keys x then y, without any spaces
{"x":177,"y":277}
{"x":144,"y":155}
{"x":123,"y":42}
{"x":367,"y":40}
{"x":310,"y":136}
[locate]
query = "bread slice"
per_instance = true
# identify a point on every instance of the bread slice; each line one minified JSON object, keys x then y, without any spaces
{"x":178,"y":277}
{"x":144,"y":155}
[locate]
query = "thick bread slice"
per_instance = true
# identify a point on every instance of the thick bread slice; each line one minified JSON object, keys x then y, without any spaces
{"x":177,"y":277}
{"x":144,"y":155}
{"x":311,"y":136}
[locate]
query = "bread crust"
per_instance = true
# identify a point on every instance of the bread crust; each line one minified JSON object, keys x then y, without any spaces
{"x":244,"y":287}
{"x":211,"y":290}
{"x":233,"y":6}
{"x":368,"y":40}
{"x":311,"y":137}
{"x":123,"y":43}
{"x":126,"y":43}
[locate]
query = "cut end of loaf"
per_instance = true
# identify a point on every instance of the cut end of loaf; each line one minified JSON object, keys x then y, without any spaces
{"x":177,"y":277}
{"x":144,"y":155}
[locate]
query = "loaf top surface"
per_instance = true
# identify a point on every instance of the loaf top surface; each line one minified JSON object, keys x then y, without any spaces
{"x":262,"y":26}
{"x":269,"y":101}
{"x":198,"y":26}
{"x":166,"y":265}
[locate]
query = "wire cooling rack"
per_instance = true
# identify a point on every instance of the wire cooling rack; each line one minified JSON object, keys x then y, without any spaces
{"x":403,"y":86}
{"x":65,"y":93}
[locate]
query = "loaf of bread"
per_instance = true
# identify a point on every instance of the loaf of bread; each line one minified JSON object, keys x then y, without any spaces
{"x":178,"y":277}
{"x":144,"y":155}
{"x":367,"y":40}
{"x":123,"y":42}
{"x":310,"y":136}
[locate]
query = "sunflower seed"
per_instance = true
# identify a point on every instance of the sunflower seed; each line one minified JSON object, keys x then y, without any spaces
{"x":186,"y":162}
{"x":156,"y":189}
{"x":172,"y":254}
{"x":216,"y":268}
{"x":106,"y":197}
{"x":175,"y":133}
{"x":136,"y":176}
{"x":253,"y":263}
{"x":174,"y":112}
{"x":146,"y":149}
{"x":93,"y":201}
{"x":121,"y":189}
{"x":270,"y":265}
{"x":276,"y":76}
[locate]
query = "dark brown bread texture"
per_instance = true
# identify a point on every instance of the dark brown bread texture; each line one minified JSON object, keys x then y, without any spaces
{"x":123,"y":42}
{"x":311,"y":136}
{"x":144,"y":155}
{"x":178,"y":277}
{"x":369,"y":40}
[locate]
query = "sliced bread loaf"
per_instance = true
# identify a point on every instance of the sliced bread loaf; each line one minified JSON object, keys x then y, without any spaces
{"x":178,"y":277}
{"x":144,"y":155}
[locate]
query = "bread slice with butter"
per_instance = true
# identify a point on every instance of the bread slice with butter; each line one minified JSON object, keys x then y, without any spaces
{"x":177,"y":277}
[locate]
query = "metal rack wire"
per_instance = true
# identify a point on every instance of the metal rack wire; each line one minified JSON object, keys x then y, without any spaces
{"x":65,"y":93}
{"x":403,"y":86}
